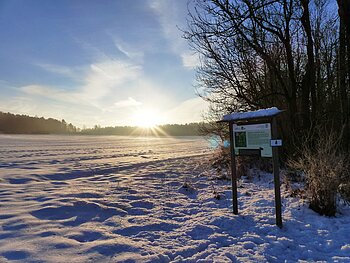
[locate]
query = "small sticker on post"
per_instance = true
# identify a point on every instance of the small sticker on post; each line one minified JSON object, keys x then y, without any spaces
{"x":276,"y":143}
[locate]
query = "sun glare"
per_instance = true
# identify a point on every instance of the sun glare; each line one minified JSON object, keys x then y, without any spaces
{"x":147,"y":119}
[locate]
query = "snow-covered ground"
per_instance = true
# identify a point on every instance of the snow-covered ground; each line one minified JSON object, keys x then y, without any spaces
{"x":121,"y":199}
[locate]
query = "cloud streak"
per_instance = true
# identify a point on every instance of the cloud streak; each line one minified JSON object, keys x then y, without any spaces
{"x":169,"y":15}
{"x":108,"y":76}
{"x":99,"y":80}
{"x":188,"y":111}
{"x":129,"y":52}
{"x":190,"y":60}
{"x":58,"y":69}
{"x":130,"y":102}
{"x":49,"y":92}
{"x":104,"y":78}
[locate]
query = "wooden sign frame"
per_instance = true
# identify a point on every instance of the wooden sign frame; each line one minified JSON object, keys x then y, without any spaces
{"x":274,"y":136}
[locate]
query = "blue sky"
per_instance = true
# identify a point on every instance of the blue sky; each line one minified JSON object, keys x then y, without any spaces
{"x":97,"y":62}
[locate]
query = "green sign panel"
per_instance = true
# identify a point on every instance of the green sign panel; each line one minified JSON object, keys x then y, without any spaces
{"x":252,"y":139}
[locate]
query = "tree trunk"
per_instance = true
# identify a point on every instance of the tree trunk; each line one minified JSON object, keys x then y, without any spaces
{"x":344,"y":45}
{"x":309,"y":79}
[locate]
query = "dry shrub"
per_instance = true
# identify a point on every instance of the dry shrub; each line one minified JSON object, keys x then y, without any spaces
{"x":324,"y":166}
{"x":221,"y":162}
{"x":242,"y":166}
{"x":251,"y":166}
{"x":344,"y":190}
{"x":294,"y":183}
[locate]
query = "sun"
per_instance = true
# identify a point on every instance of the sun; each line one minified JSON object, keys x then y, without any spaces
{"x":147,"y":118}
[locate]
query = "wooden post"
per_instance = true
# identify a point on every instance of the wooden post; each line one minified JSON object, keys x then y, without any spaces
{"x":233,"y":171}
{"x":276,"y":175}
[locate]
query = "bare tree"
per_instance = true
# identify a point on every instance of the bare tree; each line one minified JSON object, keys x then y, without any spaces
{"x":262,"y":53}
{"x":344,"y":62}
{"x":247,"y":53}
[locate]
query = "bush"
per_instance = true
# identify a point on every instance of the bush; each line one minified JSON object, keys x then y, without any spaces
{"x":344,"y":190}
{"x":221,"y":162}
{"x":324,"y":166}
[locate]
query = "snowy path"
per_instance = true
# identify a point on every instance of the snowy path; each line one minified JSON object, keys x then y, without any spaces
{"x":115,"y":199}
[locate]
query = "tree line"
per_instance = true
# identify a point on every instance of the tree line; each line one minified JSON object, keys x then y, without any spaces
{"x":191,"y":129}
{"x":293,"y":54}
{"x":23,"y":124}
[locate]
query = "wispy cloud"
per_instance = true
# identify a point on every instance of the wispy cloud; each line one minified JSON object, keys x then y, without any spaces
{"x":101,"y":77}
{"x":58,"y":69}
{"x":129,"y":52}
{"x":130,"y":102}
{"x":190,"y":60}
{"x":93,"y":51}
{"x":170,"y":15}
{"x":190,"y":110}
{"x":49,"y":92}
{"x":19,"y":105}
{"x":100,"y":80}
{"x":108,"y":76}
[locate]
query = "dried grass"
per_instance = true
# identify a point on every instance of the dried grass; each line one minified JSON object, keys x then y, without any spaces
{"x":324,"y":166}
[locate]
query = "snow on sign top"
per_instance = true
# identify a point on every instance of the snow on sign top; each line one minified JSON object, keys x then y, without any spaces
{"x":234,"y":116}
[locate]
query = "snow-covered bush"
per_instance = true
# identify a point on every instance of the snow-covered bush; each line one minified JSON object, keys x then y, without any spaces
{"x":324,"y":166}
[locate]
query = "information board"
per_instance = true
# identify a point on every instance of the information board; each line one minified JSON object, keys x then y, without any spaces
{"x":252,"y":139}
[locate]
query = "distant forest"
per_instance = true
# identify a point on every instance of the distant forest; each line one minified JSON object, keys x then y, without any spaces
{"x":191,"y":129}
{"x":23,"y":124}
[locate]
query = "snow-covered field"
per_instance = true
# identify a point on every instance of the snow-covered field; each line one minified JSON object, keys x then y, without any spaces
{"x":121,"y":199}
